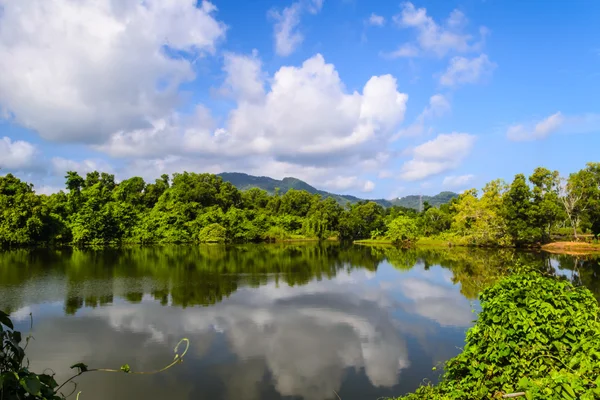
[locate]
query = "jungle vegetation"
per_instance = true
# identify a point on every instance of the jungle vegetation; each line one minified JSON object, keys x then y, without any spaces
{"x":190,"y":207}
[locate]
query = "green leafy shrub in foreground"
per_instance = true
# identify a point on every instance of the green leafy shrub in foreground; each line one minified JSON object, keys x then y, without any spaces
{"x":536,"y":337}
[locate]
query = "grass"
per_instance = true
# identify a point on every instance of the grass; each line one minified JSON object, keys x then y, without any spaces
{"x":373,"y":241}
{"x":421,"y":242}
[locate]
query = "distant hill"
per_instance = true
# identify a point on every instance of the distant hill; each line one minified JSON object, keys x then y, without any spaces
{"x":413,"y":201}
{"x":244,"y":182}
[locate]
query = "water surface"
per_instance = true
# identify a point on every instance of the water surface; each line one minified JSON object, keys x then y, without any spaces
{"x":264,"y":321}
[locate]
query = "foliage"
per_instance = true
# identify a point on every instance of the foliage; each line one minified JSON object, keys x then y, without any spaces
{"x":213,"y":233}
{"x":537,"y":336}
{"x":402,"y":229}
{"x":98,"y":210}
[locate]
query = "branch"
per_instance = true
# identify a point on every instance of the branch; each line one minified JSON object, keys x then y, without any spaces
{"x":511,"y":395}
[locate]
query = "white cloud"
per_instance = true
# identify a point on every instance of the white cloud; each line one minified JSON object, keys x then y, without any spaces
{"x":376,"y":20}
{"x":342,"y":183}
{"x":549,"y":125}
{"x":384,"y":174}
{"x":17,"y":154}
{"x":244,"y":76}
{"x":438,"y":106}
{"x":80,"y":71}
{"x":541,"y":129}
{"x":457,"y":181}
{"x":436,"y":39}
{"x":368,"y":186}
{"x":48,"y":190}
{"x":557,"y":122}
{"x":407,"y":50}
{"x":287,"y":35}
{"x":62,"y":165}
{"x":305,"y":118}
{"x":462,"y":70}
{"x":438,"y":155}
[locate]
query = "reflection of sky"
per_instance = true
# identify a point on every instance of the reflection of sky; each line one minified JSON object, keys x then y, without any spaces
{"x":265,"y":342}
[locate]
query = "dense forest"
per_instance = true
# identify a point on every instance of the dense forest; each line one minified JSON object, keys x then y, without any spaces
{"x":191,"y":207}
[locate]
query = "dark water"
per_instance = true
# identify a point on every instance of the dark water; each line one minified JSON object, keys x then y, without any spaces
{"x":264,"y":321}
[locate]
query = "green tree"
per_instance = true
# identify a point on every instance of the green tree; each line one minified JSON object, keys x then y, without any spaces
{"x":402,"y":229}
{"x":546,"y":209}
{"x":519,"y":212}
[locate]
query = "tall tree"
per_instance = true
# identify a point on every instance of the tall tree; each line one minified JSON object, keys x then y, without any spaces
{"x":518,"y":212}
{"x":546,"y":209}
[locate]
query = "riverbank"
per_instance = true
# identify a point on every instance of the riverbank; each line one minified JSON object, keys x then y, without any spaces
{"x":536,"y":337}
{"x":572,"y":248}
{"x":567,"y":248}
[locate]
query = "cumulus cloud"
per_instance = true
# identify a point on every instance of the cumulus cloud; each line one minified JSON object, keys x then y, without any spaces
{"x":17,"y":154}
{"x":376,"y":20}
{"x":301,"y":117}
{"x":434,"y":38}
{"x":437,"y":107}
{"x":462,"y":70}
{"x":460,"y":181}
{"x":444,"y":153}
{"x":107,"y":65}
{"x":286,"y":33}
{"x":244,"y":76}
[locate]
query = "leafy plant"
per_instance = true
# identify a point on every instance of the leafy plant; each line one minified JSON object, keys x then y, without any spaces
{"x":536,"y":337}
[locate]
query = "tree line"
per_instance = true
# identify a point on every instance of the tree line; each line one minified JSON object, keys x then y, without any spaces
{"x":191,"y":207}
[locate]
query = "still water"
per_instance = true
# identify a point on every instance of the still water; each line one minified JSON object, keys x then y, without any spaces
{"x":264,"y":321}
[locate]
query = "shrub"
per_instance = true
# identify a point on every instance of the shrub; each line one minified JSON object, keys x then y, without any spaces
{"x":536,"y":336}
{"x":402,"y":229}
{"x":213,"y":233}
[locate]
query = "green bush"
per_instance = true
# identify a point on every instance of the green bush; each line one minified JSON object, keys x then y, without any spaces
{"x":536,"y":336}
{"x":402,"y":229}
{"x":213,"y":233}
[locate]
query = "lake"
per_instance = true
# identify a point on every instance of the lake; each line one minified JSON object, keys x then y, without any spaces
{"x":264,"y":321}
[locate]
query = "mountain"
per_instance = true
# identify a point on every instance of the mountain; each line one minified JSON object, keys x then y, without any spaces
{"x":413,"y":201}
{"x":244,"y":182}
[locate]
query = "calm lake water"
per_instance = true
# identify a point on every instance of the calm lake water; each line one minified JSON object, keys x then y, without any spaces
{"x":264,"y":321}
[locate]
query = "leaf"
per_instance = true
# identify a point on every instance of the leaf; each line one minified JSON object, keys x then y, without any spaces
{"x":5,"y":320}
{"x":568,"y":389}
{"x":126,"y":368}
{"x":32,"y":384}
{"x":48,"y":380}
{"x":82,"y":367}
{"x":523,"y":382}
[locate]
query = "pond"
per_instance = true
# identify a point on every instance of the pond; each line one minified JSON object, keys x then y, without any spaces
{"x":264,"y":321}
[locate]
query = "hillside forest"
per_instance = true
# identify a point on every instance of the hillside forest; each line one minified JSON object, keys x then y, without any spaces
{"x":192,"y":207}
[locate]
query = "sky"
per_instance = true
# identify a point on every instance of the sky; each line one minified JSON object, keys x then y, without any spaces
{"x":376,"y":98}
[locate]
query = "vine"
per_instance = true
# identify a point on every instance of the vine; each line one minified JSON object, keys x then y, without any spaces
{"x":17,"y":381}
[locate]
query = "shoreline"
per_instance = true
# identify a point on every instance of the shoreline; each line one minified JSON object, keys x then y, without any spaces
{"x":572,"y":248}
{"x":566,"y":248}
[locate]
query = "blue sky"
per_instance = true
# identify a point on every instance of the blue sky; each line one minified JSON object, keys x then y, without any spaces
{"x":372,"y":98}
